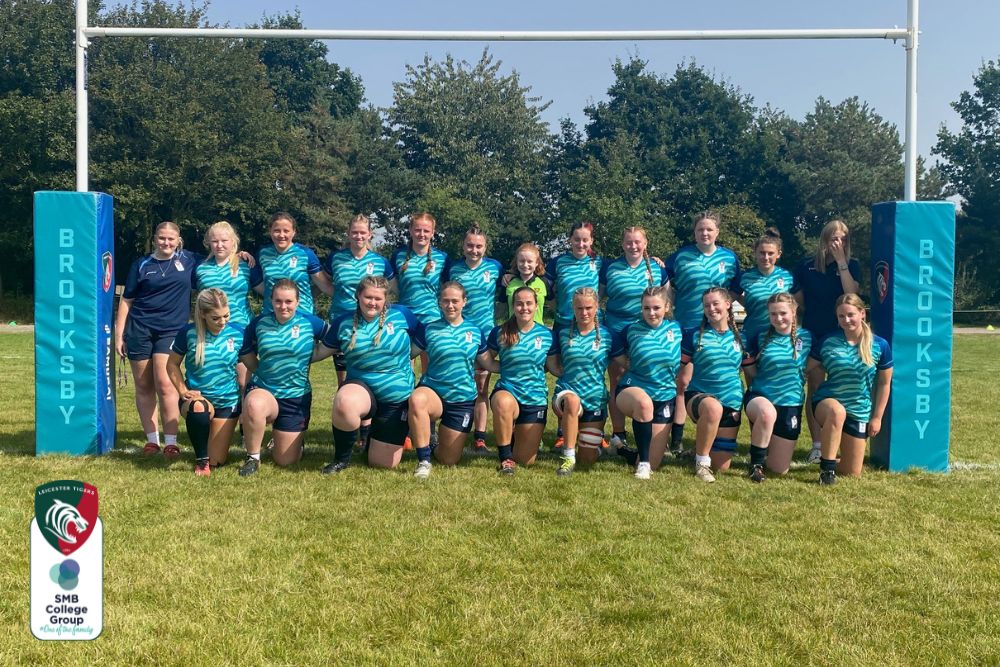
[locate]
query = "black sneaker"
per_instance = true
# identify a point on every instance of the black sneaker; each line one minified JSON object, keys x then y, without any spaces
{"x":630,"y":455}
{"x":756,"y":473}
{"x":335,"y":467}
{"x":827,"y":477}
{"x":249,"y":467}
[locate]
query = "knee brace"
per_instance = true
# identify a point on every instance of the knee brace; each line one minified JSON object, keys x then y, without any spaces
{"x":727,"y":445}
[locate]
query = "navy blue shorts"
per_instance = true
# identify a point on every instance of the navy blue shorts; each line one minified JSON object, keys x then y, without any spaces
{"x":389,"y":420}
{"x":458,"y":416}
{"x":663,"y":411}
{"x":293,"y":413}
{"x":852,"y":427}
{"x":730,"y":416}
{"x":787,"y":425}
{"x":339,"y":363}
{"x":586,"y":416}
{"x":527,"y":414}
{"x":141,"y":342}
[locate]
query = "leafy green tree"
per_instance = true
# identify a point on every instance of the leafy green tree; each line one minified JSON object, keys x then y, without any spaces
{"x":477,"y":134}
{"x":972,"y":168}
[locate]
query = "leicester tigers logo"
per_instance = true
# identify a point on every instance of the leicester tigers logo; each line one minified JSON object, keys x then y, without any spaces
{"x":66,"y":511}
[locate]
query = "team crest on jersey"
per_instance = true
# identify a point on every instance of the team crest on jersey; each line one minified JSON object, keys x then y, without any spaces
{"x":230,"y":344}
{"x":468,"y":336}
{"x":293,"y":262}
{"x":593,"y":265}
{"x":798,"y":345}
{"x":538,"y":343}
{"x":670,"y":336}
{"x":370,"y":268}
{"x":487,"y":277}
{"x":781,"y":283}
{"x":736,"y":345}
{"x":295,"y":331}
{"x":178,"y":265}
{"x":722,"y":267}
{"x":390,"y":328}
{"x":596,"y":345}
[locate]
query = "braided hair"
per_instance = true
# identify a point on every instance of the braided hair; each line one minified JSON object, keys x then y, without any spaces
{"x":586,"y":293}
{"x":645,"y":253}
{"x":789,"y":300}
{"x":375,"y":282}
{"x":510,"y":332}
{"x":731,"y":319}
{"x":423,"y":216}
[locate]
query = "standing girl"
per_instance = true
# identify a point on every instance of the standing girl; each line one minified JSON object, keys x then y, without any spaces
{"x":447,"y":389}
{"x":580,"y":267}
{"x":285,"y":259}
{"x":623,"y":282}
{"x":479,"y":276}
{"x":376,"y":343}
{"x":850,"y":402}
{"x":690,"y":271}
{"x":760,"y":282}
{"x":278,"y":347}
{"x":647,"y":390}
{"x":521,"y":351}
{"x":210,"y":392}
{"x":580,"y":399}
{"x":776,"y":374}
{"x":346,"y":267}
{"x":714,"y":390}
{"x":526,"y":270}
{"x":819,"y":281}
{"x":418,"y":268}
{"x":153,"y":308}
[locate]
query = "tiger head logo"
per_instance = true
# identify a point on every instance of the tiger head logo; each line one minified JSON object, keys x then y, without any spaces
{"x":66,"y":511}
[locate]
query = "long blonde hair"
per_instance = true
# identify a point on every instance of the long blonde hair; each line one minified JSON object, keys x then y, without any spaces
{"x":788,"y":300}
{"x":377,"y":282}
{"x":822,"y":253}
{"x":208,"y":300}
{"x":226,"y":228}
{"x":865,"y":342}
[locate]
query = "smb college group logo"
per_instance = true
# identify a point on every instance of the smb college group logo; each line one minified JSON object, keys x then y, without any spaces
{"x":67,"y":562}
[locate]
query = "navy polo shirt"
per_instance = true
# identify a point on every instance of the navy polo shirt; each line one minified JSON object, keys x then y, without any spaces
{"x":820,"y":291}
{"x":160,"y":290}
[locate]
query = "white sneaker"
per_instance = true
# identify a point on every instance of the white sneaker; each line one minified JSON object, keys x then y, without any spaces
{"x":615,"y":443}
{"x":814,"y":455}
{"x":423,"y":470}
{"x":643,"y":470}
{"x":704,"y":473}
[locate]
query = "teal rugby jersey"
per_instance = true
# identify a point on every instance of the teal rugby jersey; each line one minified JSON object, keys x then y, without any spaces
{"x":691,"y":273}
{"x":848,"y":380}
{"x":584,"y":360}
{"x":757,"y":289}
{"x":418,"y":291}
{"x":385,"y":367}
{"x":236,"y":288}
{"x":654,"y":358}
{"x":522,"y":366}
{"x":346,"y":271}
{"x":216,"y":377}
{"x":623,"y":286}
{"x":480,"y":286}
{"x":298,"y":264}
{"x":717,"y":359}
{"x":452,"y":350}
{"x":284,"y":352}
{"x":779,"y":375}
{"x":567,"y":274}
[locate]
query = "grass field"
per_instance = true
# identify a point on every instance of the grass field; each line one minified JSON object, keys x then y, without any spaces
{"x":371,"y":567}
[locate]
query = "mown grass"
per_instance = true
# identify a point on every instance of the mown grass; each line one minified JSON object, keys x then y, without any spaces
{"x":371,"y":567}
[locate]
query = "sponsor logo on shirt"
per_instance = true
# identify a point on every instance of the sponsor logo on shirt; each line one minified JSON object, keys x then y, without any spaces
{"x":178,"y":265}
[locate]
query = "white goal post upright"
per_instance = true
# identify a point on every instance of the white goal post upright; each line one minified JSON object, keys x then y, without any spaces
{"x":908,"y":35}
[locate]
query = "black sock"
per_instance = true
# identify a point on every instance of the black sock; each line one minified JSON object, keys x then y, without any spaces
{"x":559,"y":432}
{"x":757,"y":455}
{"x":676,"y":435}
{"x":363,"y":435}
{"x":479,"y":435}
{"x":424,"y":454}
{"x":620,"y":434}
{"x":343,"y":442}
{"x":643,"y":432}
{"x":828,"y":465}
{"x":198,"y":425}
{"x":505,"y":452}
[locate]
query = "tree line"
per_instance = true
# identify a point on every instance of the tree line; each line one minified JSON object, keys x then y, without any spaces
{"x":200,"y":130}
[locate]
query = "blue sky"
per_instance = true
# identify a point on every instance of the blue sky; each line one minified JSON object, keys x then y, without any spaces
{"x":956,"y":37}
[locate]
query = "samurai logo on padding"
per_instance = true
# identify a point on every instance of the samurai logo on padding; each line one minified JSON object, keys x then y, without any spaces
{"x":66,"y":511}
{"x":882,"y":280}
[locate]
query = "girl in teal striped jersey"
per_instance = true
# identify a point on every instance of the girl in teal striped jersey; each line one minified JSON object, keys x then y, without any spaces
{"x":760,"y":282}
{"x":776,"y":375}
{"x":713,"y":355}
{"x":580,"y":267}
{"x":647,"y":390}
{"x":521,"y":350}
{"x":580,"y":397}
{"x":210,"y":394}
{"x":479,"y":275}
{"x":447,"y":389}
{"x":850,"y":402}
{"x":285,"y":259}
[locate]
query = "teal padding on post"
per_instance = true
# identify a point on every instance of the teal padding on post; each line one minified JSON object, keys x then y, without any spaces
{"x":74,"y":292}
{"x":913,"y":279}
